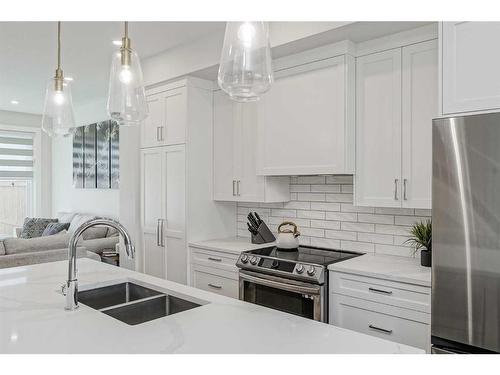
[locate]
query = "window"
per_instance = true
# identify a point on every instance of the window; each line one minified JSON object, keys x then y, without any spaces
{"x":16,"y":179}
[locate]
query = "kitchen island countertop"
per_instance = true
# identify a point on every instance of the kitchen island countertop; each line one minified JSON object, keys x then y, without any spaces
{"x":33,"y":320}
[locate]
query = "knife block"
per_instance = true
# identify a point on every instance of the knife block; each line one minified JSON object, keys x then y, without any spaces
{"x":264,"y":235}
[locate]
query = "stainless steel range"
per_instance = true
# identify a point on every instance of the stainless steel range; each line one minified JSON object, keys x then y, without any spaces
{"x":294,"y":281}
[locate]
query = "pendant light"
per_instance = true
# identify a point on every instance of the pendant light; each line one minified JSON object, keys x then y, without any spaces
{"x":126,"y":96}
{"x":58,"y":118}
{"x":245,"y":70}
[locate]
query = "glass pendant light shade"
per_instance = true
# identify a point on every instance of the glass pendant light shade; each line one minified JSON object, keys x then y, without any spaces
{"x":245,"y":70}
{"x":58,"y":118}
{"x":126,"y":97}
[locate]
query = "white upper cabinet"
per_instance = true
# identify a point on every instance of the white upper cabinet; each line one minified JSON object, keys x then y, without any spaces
{"x":306,"y":121}
{"x":235,"y":176}
{"x":378,"y":135}
{"x":420,"y":106}
{"x":166,"y":123}
{"x":470,"y":66}
{"x":397,"y":98}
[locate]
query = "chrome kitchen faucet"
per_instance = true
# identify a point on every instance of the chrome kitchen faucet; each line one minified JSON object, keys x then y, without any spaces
{"x":70,"y":289}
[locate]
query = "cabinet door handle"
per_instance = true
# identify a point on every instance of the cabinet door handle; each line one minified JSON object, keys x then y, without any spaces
{"x":396,"y":181}
{"x":158,"y":232}
{"x":215,"y":259}
{"x":375,"y":290}
{"x":234,"y":188}
{"x":383,"y":330}
{"x":214,"y":286}
{"x":158,"y":133}
{"x":404,"y":189}
{"x":162,"y":233}
{"x":161,"y":133}
{"x":238,"y":188}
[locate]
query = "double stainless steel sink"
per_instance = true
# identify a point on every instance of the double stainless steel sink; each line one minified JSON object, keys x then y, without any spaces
{"x":132,"y":303}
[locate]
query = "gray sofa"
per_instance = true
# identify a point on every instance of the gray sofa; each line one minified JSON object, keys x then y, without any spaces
{"x":24,"y":251}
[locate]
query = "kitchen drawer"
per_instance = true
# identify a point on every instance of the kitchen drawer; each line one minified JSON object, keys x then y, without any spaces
{"x":387,"y":322}
{"x":225,"y":286}
{"x":216,"y":259}
{"x":398,"y":294}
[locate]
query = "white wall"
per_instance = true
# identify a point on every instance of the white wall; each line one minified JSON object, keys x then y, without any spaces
{"x":65,"y":197}
{"x":28,"y":121}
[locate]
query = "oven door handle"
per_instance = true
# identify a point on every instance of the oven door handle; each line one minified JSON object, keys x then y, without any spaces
{"x":316,"y":290}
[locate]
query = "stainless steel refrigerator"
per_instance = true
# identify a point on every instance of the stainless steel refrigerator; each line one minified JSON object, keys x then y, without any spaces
{"x":466,"y":234}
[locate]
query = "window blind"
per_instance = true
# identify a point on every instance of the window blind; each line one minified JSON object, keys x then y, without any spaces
{"x":16,"y":155}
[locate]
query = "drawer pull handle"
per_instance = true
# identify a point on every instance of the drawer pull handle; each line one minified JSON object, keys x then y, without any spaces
{"x":374,"y":290}
{"x":214,"y":286}
{"x":388,"y":331}
{"x":215,"y":259}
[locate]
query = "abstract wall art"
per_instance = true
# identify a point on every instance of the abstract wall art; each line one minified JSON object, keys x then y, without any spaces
{"x":96,"y":160}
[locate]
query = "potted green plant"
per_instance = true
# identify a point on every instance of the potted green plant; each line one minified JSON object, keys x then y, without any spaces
{"x":421,"y":239}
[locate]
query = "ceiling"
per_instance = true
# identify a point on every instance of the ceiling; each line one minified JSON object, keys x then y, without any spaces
{"x":29,"y":55}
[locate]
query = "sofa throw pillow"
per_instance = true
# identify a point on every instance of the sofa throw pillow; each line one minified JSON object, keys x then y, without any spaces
{"x":54,"y":228}
{"x":34,"y":226}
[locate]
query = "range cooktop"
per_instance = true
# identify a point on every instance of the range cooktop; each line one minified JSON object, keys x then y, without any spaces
{"x":304,"y":263}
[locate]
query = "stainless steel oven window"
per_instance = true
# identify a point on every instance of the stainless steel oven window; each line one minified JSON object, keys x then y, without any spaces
{"x":306,"y":300}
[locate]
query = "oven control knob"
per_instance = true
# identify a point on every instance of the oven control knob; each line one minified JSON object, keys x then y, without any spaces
{"x":244,"y":258}
{"x":311,"y":271}
{"x":253,"y":260}
{"x":300,"y":268}
{"x":275,"y":264}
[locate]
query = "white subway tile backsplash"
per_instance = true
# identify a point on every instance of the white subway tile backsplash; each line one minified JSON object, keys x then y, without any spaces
{"x":348,"y":207}
{"x":322,"y":207}
{"x":325,"y":224}
{"x":341,"y":216}
{"x":312,"y":232}
{"x":313,"y":197}
{"x":341,"y":235}
{"x":339,"y":179}
{"x":311,"y":180}
{"x":364,"y":247}
{"x":325,"y":188}
{"x":283,"y":212}
{"x":341,"y":198}
{"x":376,"y":238}
{"x":325,"y":206}
{"x":377,"y":219}
{"x":346,"y":188}
{"x":357,"y":227}
{"x":393,"y":250}
{"x":397,"y":230}
{"x":311,"y":214}
{"x":300,"y":188}
{"x":297,"y":205}
{"x":409,"y":220}
{"x":327,"y":243}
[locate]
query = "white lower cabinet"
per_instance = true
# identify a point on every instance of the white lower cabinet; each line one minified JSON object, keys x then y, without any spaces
{"x":390,"y":310}
{"x":214,"y":271}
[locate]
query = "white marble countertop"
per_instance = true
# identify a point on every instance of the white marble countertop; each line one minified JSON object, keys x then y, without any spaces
{"x":32,"y":320}
{"x":402,"y":269}
{"x":231,"y":244}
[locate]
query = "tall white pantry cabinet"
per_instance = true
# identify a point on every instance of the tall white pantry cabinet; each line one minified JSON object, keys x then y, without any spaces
{"x":176,"y":174}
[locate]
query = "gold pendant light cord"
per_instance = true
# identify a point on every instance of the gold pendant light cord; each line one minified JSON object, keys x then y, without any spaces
{"x":59,"y":45}
{"x":59,"y":78}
